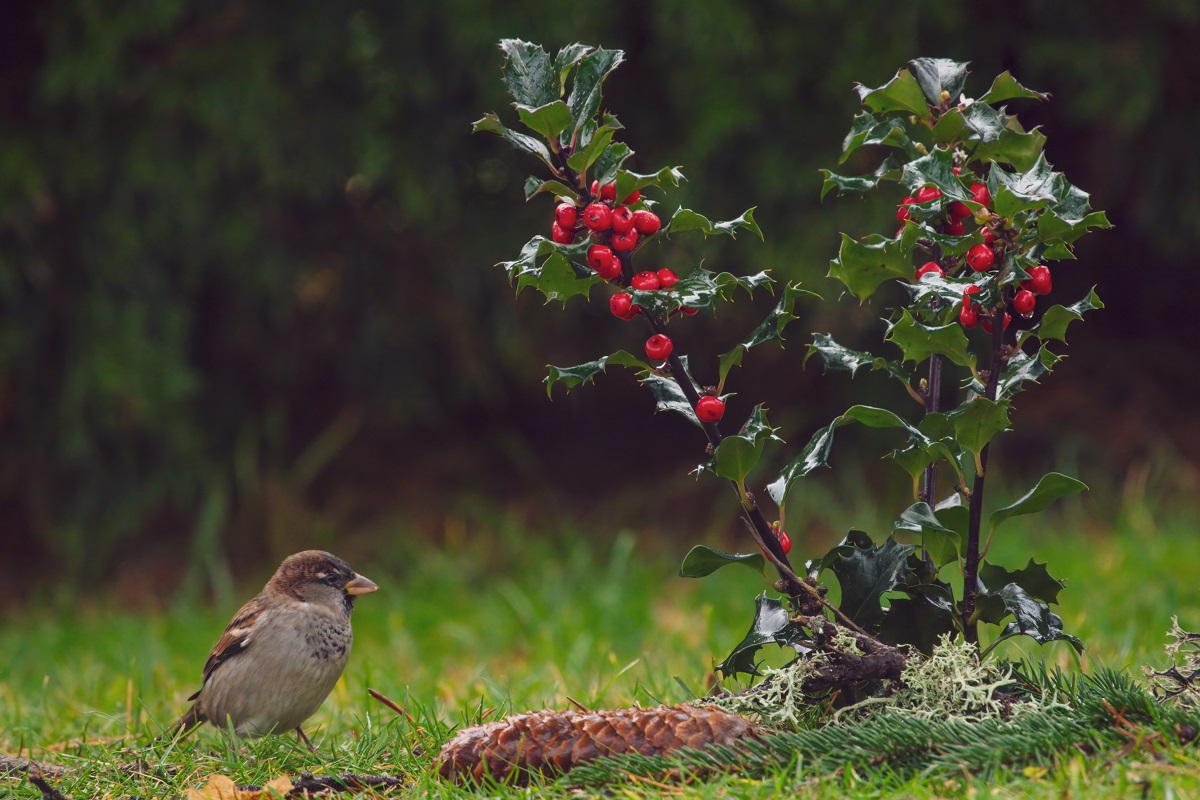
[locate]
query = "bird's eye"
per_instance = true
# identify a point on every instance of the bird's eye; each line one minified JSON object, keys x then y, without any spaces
{"x":332,"y":579}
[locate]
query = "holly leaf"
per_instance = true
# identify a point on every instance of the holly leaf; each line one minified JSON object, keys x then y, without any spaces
{"x":1033,"y":619}
{"x":593,"y":68}
{"x":935,"y":169}
{"x":901,"y":93}
{"x":1023,"y":367}
{"x":606,"y":167}
{"x":529,"y":74}
{"x":668,"y":395}
{"x":534,"y":186}
{"x":942,"y":543}
{"x":589,"y":154}
{"x":1051,"y":487}
{"x":868,"y":129}
{"x":1019,"y":191}
{"x":976,"y":422}
{"x":862,"y":265}
{"x":702,"y":560}
{"x":916,"y":621}
{"x":1056,"y":318}
{"x":1033,"y":579}
{"x":772,"y":623}
{"x":889,"y":169}
{"x":566,"y":60}
{"x":628,"y":181}
{"x":570,"y":377}
{"x":685,"y":219}
{"x":1016,"y":146}
{"x":548,"y":121}
{"x":736,"y":455}
{"x":521,"y":141}
{"x":838,"y":358}
{"x":559,"y":279}
{"x":1006,"y":87}
{"x":937,"y":75}
{"x":918,"y":341}
{"x":867,"y":573}
{"x":769,"y":330}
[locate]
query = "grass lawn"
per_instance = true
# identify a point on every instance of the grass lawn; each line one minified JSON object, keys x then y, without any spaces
{"x":510,"y":621}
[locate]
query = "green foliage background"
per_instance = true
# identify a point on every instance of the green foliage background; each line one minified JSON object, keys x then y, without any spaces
{"x":245,"y":289}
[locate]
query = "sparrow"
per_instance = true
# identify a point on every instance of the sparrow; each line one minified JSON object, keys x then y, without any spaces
{"x":282,"y":652}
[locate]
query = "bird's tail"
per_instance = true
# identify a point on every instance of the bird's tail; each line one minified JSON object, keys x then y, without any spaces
{"x":183,"y":726}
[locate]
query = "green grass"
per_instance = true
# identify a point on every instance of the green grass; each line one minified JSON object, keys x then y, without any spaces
{"x":508,"y":620}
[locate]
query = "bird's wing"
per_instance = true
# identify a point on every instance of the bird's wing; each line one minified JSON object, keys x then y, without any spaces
{"x":236,"y":638}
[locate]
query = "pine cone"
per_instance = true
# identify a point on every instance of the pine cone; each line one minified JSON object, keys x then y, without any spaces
{"x":553,"y":742}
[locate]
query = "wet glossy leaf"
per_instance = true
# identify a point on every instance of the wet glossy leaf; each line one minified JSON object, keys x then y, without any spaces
{"x":1051,"y":487}
{"x":1006,"y":87}
{"x":701,"y":561}
{"x":935,"y":75}
{"x":534,"y":185}
{"x":935,"y":169}
{"x":769,"y":330}
{"x":1056,"y":318}
{"x":916,"y":621}
{"x":1022,"y":368}
{"x":942,"y":542}
{"x":521,"y":141}
{"x":772,"y":624}
{"x":526,"y":270}
{"x":868,"y":129}
{"x":685,"y":219}
{"x":863,"y":265}
{"x":889,"y":169}
{"x":737,"y":455}
{"x":976,"y":422}
{"x":566,"y":60}
{"x":918,"y":341}
{"x":901,"y":93}
{"x":667,"y":394}
{"x":570,"y":377}
{"x":1034,"y":579}
{"x":559,"y":279}
{"x":866,"y":574}
{"x":586,"y":156}
{"x":1019,"y":191}
{"x":1016,"y":146}
{"x":606,"y":167}
{"x":529,"y":75}
{"x":1033,"y":619}
{"x":590,"y":73}
{"x":547,"y":121}
{"x":665,"y":177}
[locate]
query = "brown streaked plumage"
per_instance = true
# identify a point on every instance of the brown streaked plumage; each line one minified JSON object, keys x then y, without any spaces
{"x":283,"y":651}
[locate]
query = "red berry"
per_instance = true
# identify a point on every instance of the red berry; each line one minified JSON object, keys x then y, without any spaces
{"x":927,"y":193}
{"x":956,"y":170}
{"x":902,"y":212}
{"x":646,"y":282}
{"x":690,"y":312}
{"x":953,"y":227}
{"x":785,"y":542}
{"x":987,"y":322}
{"x":622,"y":220}
{"x":930,"y":268}
{"x":1039,"y":280}
{"x":566,"y":215}
{"x":710,"y":409}
{"x":981,"y":258}
{"x":958,"y":210}
{"x":607,"y":192}
{"x":967,"y":292}
{"x":633,"y":198}
{"x":968,"y":315}
{"x":989,"y":236}
{"x":658,"y":347}
{"x":646,"y":222}
{"x":980,"y":194}
{"x":667,"y":278}
{"x":621,"y":305}
{"x":597,"y":217}
{"x":561,"y":236}
{"x":624,"y":241}
{"x":600,"y":258}
{"x":1024,"y":302}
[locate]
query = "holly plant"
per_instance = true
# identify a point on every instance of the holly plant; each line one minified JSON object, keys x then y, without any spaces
{"x":973,"y":307}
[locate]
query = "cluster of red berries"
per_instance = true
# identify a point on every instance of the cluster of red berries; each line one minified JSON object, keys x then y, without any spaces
{"x":615,"y":226}
{"x":956,"y":211}
{"x":1023,"y":301}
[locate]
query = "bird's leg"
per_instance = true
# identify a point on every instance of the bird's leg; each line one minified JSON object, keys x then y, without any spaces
{"x":304,"y":738}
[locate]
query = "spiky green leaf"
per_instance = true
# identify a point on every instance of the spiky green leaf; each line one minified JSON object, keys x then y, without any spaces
{"x":685,"y":219}
{"x":702,"y":560}
{"x":529,"y":75}
{"x":570,"y":377}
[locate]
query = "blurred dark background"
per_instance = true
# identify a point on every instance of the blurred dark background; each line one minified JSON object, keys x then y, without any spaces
{"x":247,"y":300}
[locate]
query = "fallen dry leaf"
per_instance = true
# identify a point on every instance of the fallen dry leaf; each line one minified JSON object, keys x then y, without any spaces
{"x":220,"y":787}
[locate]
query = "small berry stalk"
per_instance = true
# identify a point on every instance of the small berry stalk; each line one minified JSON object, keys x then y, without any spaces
{"x":604,"y":218}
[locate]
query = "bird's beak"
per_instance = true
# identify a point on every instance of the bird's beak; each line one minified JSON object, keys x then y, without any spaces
{"x":359,"y":585}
